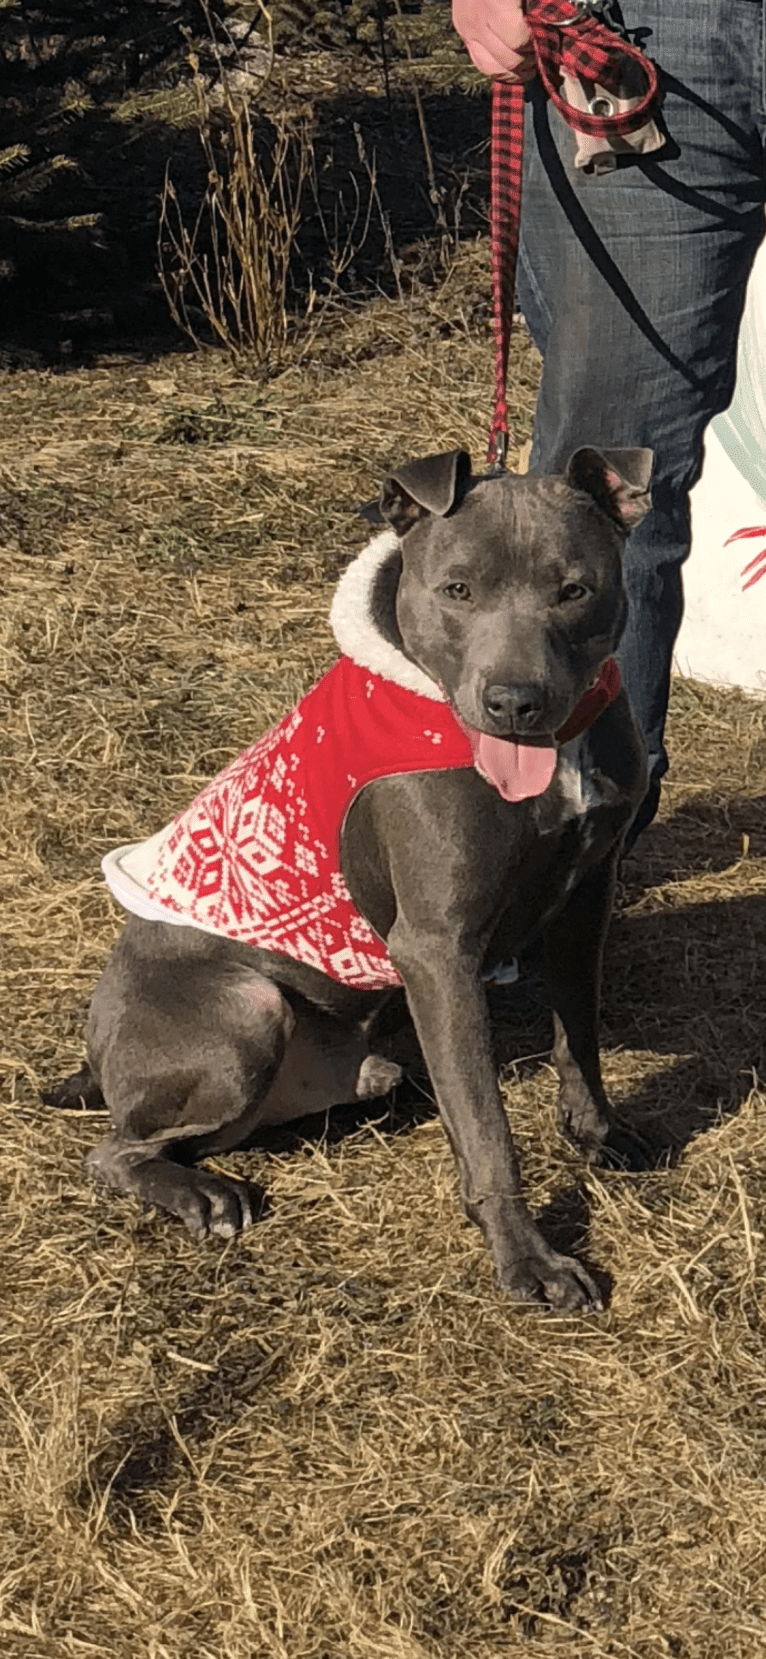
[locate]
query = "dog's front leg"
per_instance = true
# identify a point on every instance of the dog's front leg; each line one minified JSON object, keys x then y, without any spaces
{"x":449,"y":1008}
{"x":574,"y":944}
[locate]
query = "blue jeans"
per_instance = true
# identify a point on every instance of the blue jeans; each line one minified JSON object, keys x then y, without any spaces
{"x":632,"y":285}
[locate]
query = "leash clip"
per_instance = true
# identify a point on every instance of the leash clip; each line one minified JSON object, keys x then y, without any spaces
{"x":594,"y":8}
{"x":497,"y":464}
{"x":602,"y":9}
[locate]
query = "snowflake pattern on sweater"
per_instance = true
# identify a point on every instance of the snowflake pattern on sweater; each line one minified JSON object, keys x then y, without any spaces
{"x":256,"y":857}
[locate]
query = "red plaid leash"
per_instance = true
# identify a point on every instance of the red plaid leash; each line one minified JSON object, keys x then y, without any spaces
{"x":568,"y":39}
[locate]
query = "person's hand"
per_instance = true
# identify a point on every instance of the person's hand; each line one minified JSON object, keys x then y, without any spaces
{"x":497,"y":37}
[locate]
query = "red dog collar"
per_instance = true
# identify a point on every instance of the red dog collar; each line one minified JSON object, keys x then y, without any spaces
{"x":596,"y":699}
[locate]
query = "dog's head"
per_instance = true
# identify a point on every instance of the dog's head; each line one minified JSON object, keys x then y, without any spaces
{"x":511,"y":595}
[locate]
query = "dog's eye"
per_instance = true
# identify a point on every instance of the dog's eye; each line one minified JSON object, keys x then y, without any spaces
{"x":572,"y":591}
{"x":457,"y":590}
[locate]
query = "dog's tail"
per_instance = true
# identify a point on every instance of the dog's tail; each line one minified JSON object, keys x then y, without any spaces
{"x":78,"y":1093}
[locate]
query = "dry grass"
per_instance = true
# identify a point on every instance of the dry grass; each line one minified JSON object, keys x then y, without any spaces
{"x":333,"y":1439}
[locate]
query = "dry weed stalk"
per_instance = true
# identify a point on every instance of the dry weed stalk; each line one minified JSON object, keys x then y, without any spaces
{"x":435,"y":191}
{"x":371,"y":171}
{"x":230,"y":269}
{"x":342,"y":245}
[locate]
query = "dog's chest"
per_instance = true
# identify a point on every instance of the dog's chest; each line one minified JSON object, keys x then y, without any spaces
{"x":577,"y":792}
{"x":581,"y":791}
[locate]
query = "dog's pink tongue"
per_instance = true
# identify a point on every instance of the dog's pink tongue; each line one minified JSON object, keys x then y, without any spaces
{"x":516,"y":770}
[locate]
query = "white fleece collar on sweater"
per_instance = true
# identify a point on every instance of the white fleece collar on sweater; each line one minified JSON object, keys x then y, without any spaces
{"x":354,"y":613}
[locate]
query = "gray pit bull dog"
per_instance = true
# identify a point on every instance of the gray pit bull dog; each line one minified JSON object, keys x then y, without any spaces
{"x":492,"y":604}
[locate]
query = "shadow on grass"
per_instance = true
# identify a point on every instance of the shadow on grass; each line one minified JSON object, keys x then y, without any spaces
{"x":682,"y":987}
{"x":702,"y":836}
{"x":68,"y":297}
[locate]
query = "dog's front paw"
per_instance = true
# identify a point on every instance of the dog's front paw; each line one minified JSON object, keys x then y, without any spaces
{"x":528,"y":1268}
{"x":551,"y":1281}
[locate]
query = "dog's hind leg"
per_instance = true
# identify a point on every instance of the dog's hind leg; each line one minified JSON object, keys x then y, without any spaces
{"x":184,"y":1076}
{"x":574,"y":944}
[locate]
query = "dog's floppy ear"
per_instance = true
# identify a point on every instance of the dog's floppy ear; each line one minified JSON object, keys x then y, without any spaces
{"x":434,"y":485}
{"x":618,"y":479}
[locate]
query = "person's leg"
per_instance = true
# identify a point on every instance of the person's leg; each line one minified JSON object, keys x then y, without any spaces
{"x":632,"y":286}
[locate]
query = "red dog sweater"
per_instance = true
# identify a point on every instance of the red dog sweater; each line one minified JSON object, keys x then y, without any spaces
{"x":256,"y":857}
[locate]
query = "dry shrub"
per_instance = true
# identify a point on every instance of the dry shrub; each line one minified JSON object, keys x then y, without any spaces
{"x":229,"y":269}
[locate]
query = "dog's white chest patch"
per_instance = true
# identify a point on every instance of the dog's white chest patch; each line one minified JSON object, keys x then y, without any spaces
{"x":578,"y":791}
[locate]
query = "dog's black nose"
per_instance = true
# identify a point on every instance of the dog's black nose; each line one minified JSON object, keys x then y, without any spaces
{"x":518,"y":706}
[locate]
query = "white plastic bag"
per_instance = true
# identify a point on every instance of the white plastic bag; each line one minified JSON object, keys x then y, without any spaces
{"x":723,"y":634}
